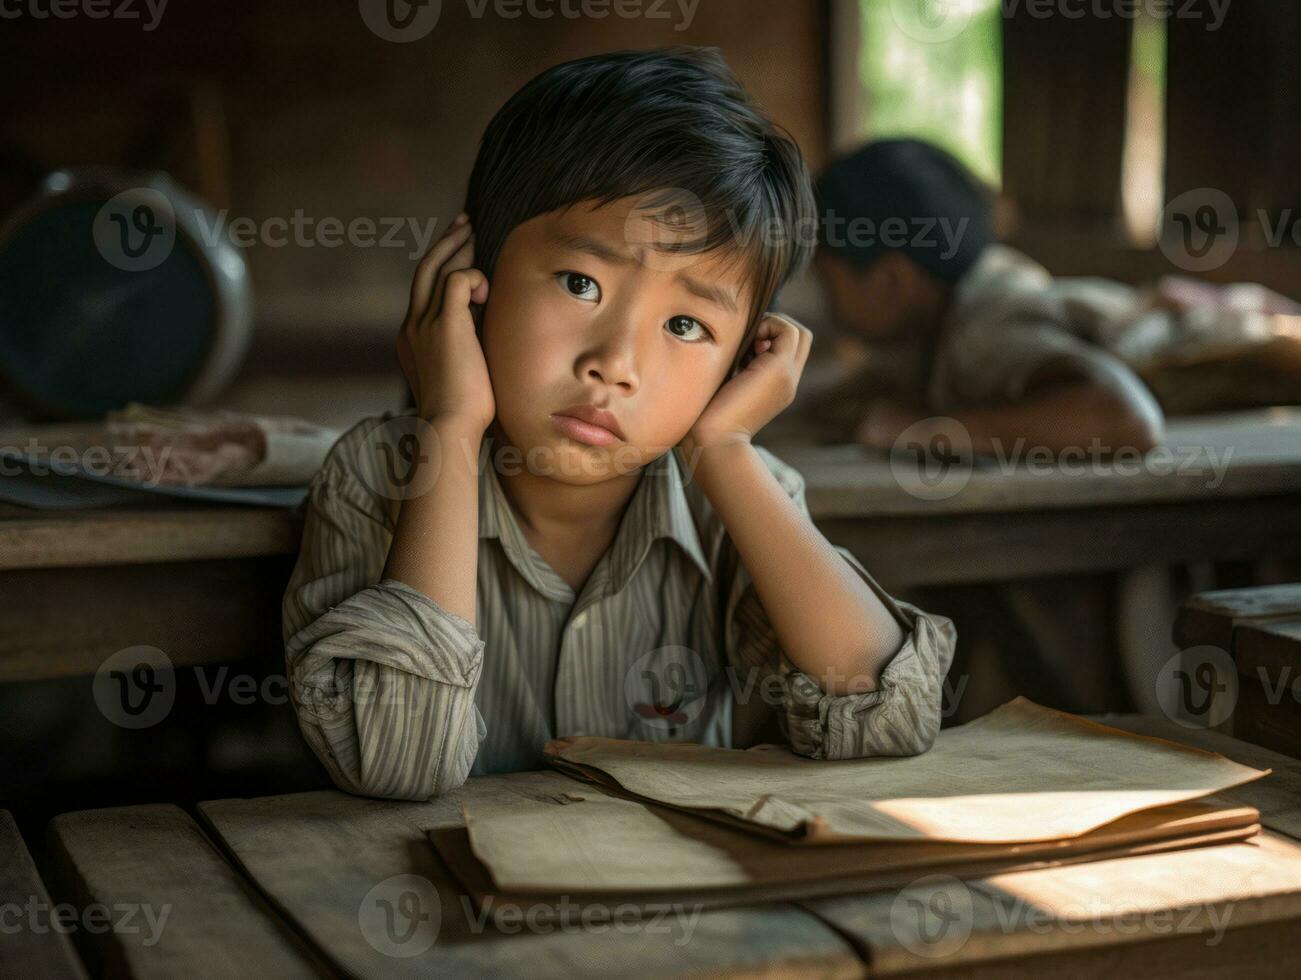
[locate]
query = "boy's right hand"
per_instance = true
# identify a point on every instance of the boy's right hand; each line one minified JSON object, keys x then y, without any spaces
{"x":438,"y":348}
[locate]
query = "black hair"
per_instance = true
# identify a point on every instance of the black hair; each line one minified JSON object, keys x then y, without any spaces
{"x":672,"y":125}
{"x":903,"y":180}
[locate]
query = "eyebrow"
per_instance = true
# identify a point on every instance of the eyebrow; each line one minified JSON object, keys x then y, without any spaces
{"x":709,"y":292}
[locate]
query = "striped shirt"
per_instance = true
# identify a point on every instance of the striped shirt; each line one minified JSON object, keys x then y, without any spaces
{"x":667,"y":639}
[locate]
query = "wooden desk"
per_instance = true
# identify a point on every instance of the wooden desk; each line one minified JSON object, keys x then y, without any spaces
{"x":274,"y":886}
{"x":27,"y":952}
{"x":1228,"y":489}
{"x":203,"y":583}
{"x":1260,"y":630}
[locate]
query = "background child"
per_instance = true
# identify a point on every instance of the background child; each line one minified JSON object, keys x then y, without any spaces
{"x":960,"y":326}
{"x":957,"y":325}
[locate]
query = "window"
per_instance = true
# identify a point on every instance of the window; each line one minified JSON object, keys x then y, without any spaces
{"x":933,"y":69}
{"x":1143,"y":180}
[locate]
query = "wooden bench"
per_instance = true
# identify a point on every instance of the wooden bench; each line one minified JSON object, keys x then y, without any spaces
{"x":31,"y":942}
{"x":1260,"y":630}
{"x":180,"y":908}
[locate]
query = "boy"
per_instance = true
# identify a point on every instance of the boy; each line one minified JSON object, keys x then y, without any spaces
{"x":542,"y":568}
{"x":972,"y":330}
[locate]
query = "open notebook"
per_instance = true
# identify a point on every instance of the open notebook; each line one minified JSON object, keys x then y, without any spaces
{"x":657,"y":823}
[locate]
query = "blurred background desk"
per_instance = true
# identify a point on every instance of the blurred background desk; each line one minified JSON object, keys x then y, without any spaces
{"x":214,"y":576}
{"x":202,"y":583}
{"x":1009,"y":523}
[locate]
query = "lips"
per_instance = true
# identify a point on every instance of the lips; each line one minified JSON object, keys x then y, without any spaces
{"x":588,"y":424}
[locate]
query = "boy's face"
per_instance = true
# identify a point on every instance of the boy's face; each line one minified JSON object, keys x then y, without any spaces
{"x":582,"y":311}
{"x":881,"y":303}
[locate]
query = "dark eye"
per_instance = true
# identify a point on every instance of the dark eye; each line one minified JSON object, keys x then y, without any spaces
{"x":581,"y":286}
{"x":687,"y":328}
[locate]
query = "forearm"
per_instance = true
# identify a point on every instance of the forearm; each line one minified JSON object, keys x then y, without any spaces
{"x":435,"y":547}
{"x":1066,"y":418}
{"x":827,"y":619}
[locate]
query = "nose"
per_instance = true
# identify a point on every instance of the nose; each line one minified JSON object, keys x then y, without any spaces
{"x":611,"y":355}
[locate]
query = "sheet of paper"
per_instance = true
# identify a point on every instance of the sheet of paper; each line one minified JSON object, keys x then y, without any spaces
{"x":602,"y":844}
{"x":1021,"y":773}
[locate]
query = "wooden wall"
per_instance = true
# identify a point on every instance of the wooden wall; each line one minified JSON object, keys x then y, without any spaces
{"x":1233,"y":101}
{"x":300,"y":106}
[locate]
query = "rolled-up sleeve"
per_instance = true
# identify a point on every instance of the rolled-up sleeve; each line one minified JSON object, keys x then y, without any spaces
{"x":381,"y":677}
{"x":901,"y":717}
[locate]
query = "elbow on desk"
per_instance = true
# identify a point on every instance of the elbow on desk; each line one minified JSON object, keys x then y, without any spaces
{"x":1126,"y":426}
{"x":1144,"y":433}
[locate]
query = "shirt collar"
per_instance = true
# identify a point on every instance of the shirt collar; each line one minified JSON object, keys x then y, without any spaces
{"x":658,"y":509}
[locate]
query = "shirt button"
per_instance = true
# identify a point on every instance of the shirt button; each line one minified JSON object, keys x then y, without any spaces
{"x":579,"y":620}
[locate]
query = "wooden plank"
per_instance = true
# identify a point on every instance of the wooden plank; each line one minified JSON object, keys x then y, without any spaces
{"x":322,"y":858}
{"x":1210,"y":618}
{"x":1233,"y":455}
{"x":1237,"y":905}
{"x":1064,"y":167}
{"x":1008,"y":929}
{"x":1263,"y":719}
{"x":29,"y":946}
{"x":968,"y":548}
{"x":64,"y":622}
{"x":1267,"y":652}
{"x":1225,"y":129}
{"x":1272,"y":646}
{"x":51,"y":539}
{"x":191,"y":913}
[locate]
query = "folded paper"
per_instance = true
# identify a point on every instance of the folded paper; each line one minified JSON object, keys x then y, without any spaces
{"x":1022,"y":773}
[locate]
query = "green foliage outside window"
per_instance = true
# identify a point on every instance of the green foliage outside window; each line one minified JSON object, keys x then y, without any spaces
{"x":924,"y":83}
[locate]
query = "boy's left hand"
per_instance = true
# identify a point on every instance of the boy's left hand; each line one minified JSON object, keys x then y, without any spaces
{"x":760,"y":390}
